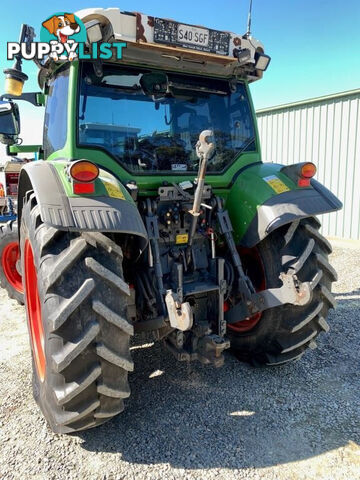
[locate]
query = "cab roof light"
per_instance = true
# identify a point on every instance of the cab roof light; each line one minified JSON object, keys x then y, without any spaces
{"x":96,"y":31}
{"x":93,"y":31}
{"x":83,"y":171}
{"x":262,"y":61}
{"x":243,"y":55}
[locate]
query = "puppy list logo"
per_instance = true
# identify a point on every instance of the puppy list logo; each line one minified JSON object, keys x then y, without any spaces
{"x":63,"y":37}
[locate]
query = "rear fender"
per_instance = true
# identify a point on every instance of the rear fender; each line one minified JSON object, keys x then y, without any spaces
{"x":110,"y":209}
{"x":257,"y":206}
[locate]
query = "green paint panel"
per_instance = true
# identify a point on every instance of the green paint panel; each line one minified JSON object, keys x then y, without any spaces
{"x":249,"y":191}
{"x":24,"y":148}
{"x":152,"y":182}
{"x":41,"y":99}
{"x":106,"y":185}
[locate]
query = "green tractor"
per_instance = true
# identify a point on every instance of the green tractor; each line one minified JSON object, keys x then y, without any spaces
{"x":151,"y":210}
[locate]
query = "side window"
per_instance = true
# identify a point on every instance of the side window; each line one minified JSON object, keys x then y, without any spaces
{"x":56,"y":113}
{"x":242,"y":127}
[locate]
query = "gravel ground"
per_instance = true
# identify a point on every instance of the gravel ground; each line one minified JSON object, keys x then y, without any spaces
{"x":300,"y":421}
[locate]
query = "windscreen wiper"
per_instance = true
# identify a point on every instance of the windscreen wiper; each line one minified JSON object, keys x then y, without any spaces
{"x":247,"y":144}
{"x":188,"y":87}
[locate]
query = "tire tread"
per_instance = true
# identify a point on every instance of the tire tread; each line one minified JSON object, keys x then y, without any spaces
{"x":286,"y":332}
{"x":84,"y":309}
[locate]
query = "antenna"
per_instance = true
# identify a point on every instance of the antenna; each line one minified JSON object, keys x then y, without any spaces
{"x":248,"y":28}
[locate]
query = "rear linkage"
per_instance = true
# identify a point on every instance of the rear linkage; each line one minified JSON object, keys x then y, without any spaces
{"x":203,"y":344}
{"x":204,"y":341}
{"x":292,"y":291}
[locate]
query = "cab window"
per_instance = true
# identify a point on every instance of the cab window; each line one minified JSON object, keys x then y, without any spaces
{"x":55,"y":123}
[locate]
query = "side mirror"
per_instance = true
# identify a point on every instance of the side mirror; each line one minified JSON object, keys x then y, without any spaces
{"x":9,"y":122}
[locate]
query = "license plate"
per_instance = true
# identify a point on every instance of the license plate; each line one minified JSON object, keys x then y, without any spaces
{"x":169,"y":32}
{"x":192,"y":35}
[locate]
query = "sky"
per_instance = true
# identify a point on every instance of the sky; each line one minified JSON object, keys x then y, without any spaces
{"x":313,"y":44}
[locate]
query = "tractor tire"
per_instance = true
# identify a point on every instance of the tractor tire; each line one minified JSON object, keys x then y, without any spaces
{"x":10,"y":277}
{"x":76,"y":301}
{"x":283,"y":334}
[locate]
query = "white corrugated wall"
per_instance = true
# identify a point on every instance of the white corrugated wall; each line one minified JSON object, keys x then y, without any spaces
{"x":325,"y":131}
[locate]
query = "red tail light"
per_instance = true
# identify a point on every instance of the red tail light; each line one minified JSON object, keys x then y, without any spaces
{"x":307,"y":171}
{"x":80,"y":188}
{"x":84,"y":171}
{"x":84,"y":174}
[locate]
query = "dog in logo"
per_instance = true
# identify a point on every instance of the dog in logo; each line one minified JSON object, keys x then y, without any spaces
{"x":62,"y":26}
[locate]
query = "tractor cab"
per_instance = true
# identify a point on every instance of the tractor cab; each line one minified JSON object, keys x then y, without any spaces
{"x":141,"y":115}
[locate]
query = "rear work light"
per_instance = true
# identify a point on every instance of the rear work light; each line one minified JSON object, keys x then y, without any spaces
{"x":84,"y":171}
{"x":261,"y":61}
{"x":307,"y":171}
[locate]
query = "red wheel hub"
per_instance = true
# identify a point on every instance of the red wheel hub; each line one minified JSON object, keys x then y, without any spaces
{"x":9,"y":258}
{"x":254,"y":268}
{"x":34,"y":310}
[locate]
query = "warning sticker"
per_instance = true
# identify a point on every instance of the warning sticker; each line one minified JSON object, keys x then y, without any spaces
{"x":276,"y":184}
{"x":113,"y":190}
{"x":182,"y":238}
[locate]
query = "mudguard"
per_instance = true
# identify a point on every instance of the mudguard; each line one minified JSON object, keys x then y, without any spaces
{"x":263,"y":198}
{"x":110,"y":209}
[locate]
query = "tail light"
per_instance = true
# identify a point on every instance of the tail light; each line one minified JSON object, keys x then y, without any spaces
{"x":80,"y":188}
{"x":84,"y":174}
{"x":2,"y":191}
{"x":84,"y":171}
{"x":307,"y":171}
{"x":300,"y":173}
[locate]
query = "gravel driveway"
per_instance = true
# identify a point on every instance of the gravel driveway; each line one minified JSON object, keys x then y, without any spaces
{"x":194,"y":422}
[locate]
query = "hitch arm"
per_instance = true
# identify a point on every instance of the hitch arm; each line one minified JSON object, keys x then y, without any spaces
{"x":292,"y":292}
{"x":244,"y":283}
{"x":152,"y":229}
{"x":204,"y":149}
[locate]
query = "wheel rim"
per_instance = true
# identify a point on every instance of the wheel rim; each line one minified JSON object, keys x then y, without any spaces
{"x":9,"y":258}
{"x":254,"y":267}
{"x":34,"y":310}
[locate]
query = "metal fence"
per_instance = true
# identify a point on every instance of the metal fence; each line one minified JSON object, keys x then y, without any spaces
{"x":326,"y":131}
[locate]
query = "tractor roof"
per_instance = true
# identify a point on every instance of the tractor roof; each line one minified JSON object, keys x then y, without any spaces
{"x":167,"y":44}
